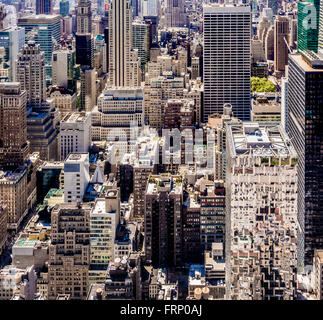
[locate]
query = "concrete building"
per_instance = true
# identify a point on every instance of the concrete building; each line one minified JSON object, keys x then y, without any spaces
{"x":69,"y":251}
{"x":305,"y":94}
{"x":75,"y":133}
{"x":118,"y":108}
{"x":265,"y":109}
{"x":261,"y":213}
{"x":76,"y":176}
{"x":65,"y":101}
{"x":63,"y":68}
{"x":226,"y":73}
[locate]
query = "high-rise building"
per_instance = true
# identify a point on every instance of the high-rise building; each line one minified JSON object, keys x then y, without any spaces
{"x":88,"y":89}
{"x":14,"y":147}
{"x":63,"y":69}
{"x":120,"y":42}
{"x":317,"y":272}
{"x":281,"y":35}
{"x":76,"y":176}
{"x":75,"y":133}
{"x":261,"y":213}
{"x":31,"y":73}
{"x":3,"y":226}
{"x":163,"y":220}
{"x":47,"y":30}
{"x":105,"y":218}
{"x":141,"y":41}
{"x":226,"y":59}
{"x":69,"y":251}
{"x":11,"y":41}
{"x":84,"y":17}
{"x":305,"y":120}
{"x":64,"y":8}
{"x":320,"y":42}
{"x":84,"y":49}
{"x":44,"y":7}
{"x":308,"y":25}
{"x":175,"y":13}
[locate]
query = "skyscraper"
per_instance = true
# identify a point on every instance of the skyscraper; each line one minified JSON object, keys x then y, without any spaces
{"x":47,"y":30}
{"x":14,"y":147}
{"x":305,"y":121}
{"x":120,"y":42}
{"x":308,"y":25}
{"x":84,"y":17}
{"x":31,"y":73}
{"x":11,"y":41}
{"x":281,"y":32}
{"x":175,"y":13}
{"x":64,"y":8}
{"x":44,"y":6}
{"x":226,"y":59}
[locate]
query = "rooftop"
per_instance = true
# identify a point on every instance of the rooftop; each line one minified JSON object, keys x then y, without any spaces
{"x":259,"y":139}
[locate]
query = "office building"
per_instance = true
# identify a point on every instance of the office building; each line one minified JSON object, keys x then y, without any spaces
{"x":83,"y":17}
{"x":305,"y":94}
{"x":13,"y":194}
{"x":14,"y":148}
{"x":75,"y":133}
{"x":261,"y":213}
{"x":88,"y":89}
{"x":308,"y":21}
{"x":76,"y":176}
{"x":64,"y":8}
{"x":281,"y":50}
{"x":104,"y":219}
{"x":226,"y":72}
{"x":64,"y":68}
{"x":42,"y":135}
{"x":48,"y":31}
{"x":120,"y":42}
{"x":44,"y":7}
{"x":31,"y":73}
{"x":175,"y":13}
{"x":117,"y":109}
{"x":163,"y":220}
{"x":141,"y":41}
{"x":69,"y":251}
{"x":11,"y":41}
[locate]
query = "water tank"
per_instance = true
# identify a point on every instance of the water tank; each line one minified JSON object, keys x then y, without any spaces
{"x":205,"y":293}
{"x":198,"y":293}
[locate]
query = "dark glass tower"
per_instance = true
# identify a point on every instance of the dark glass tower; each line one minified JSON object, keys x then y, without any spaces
{"x":305,"y":123}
